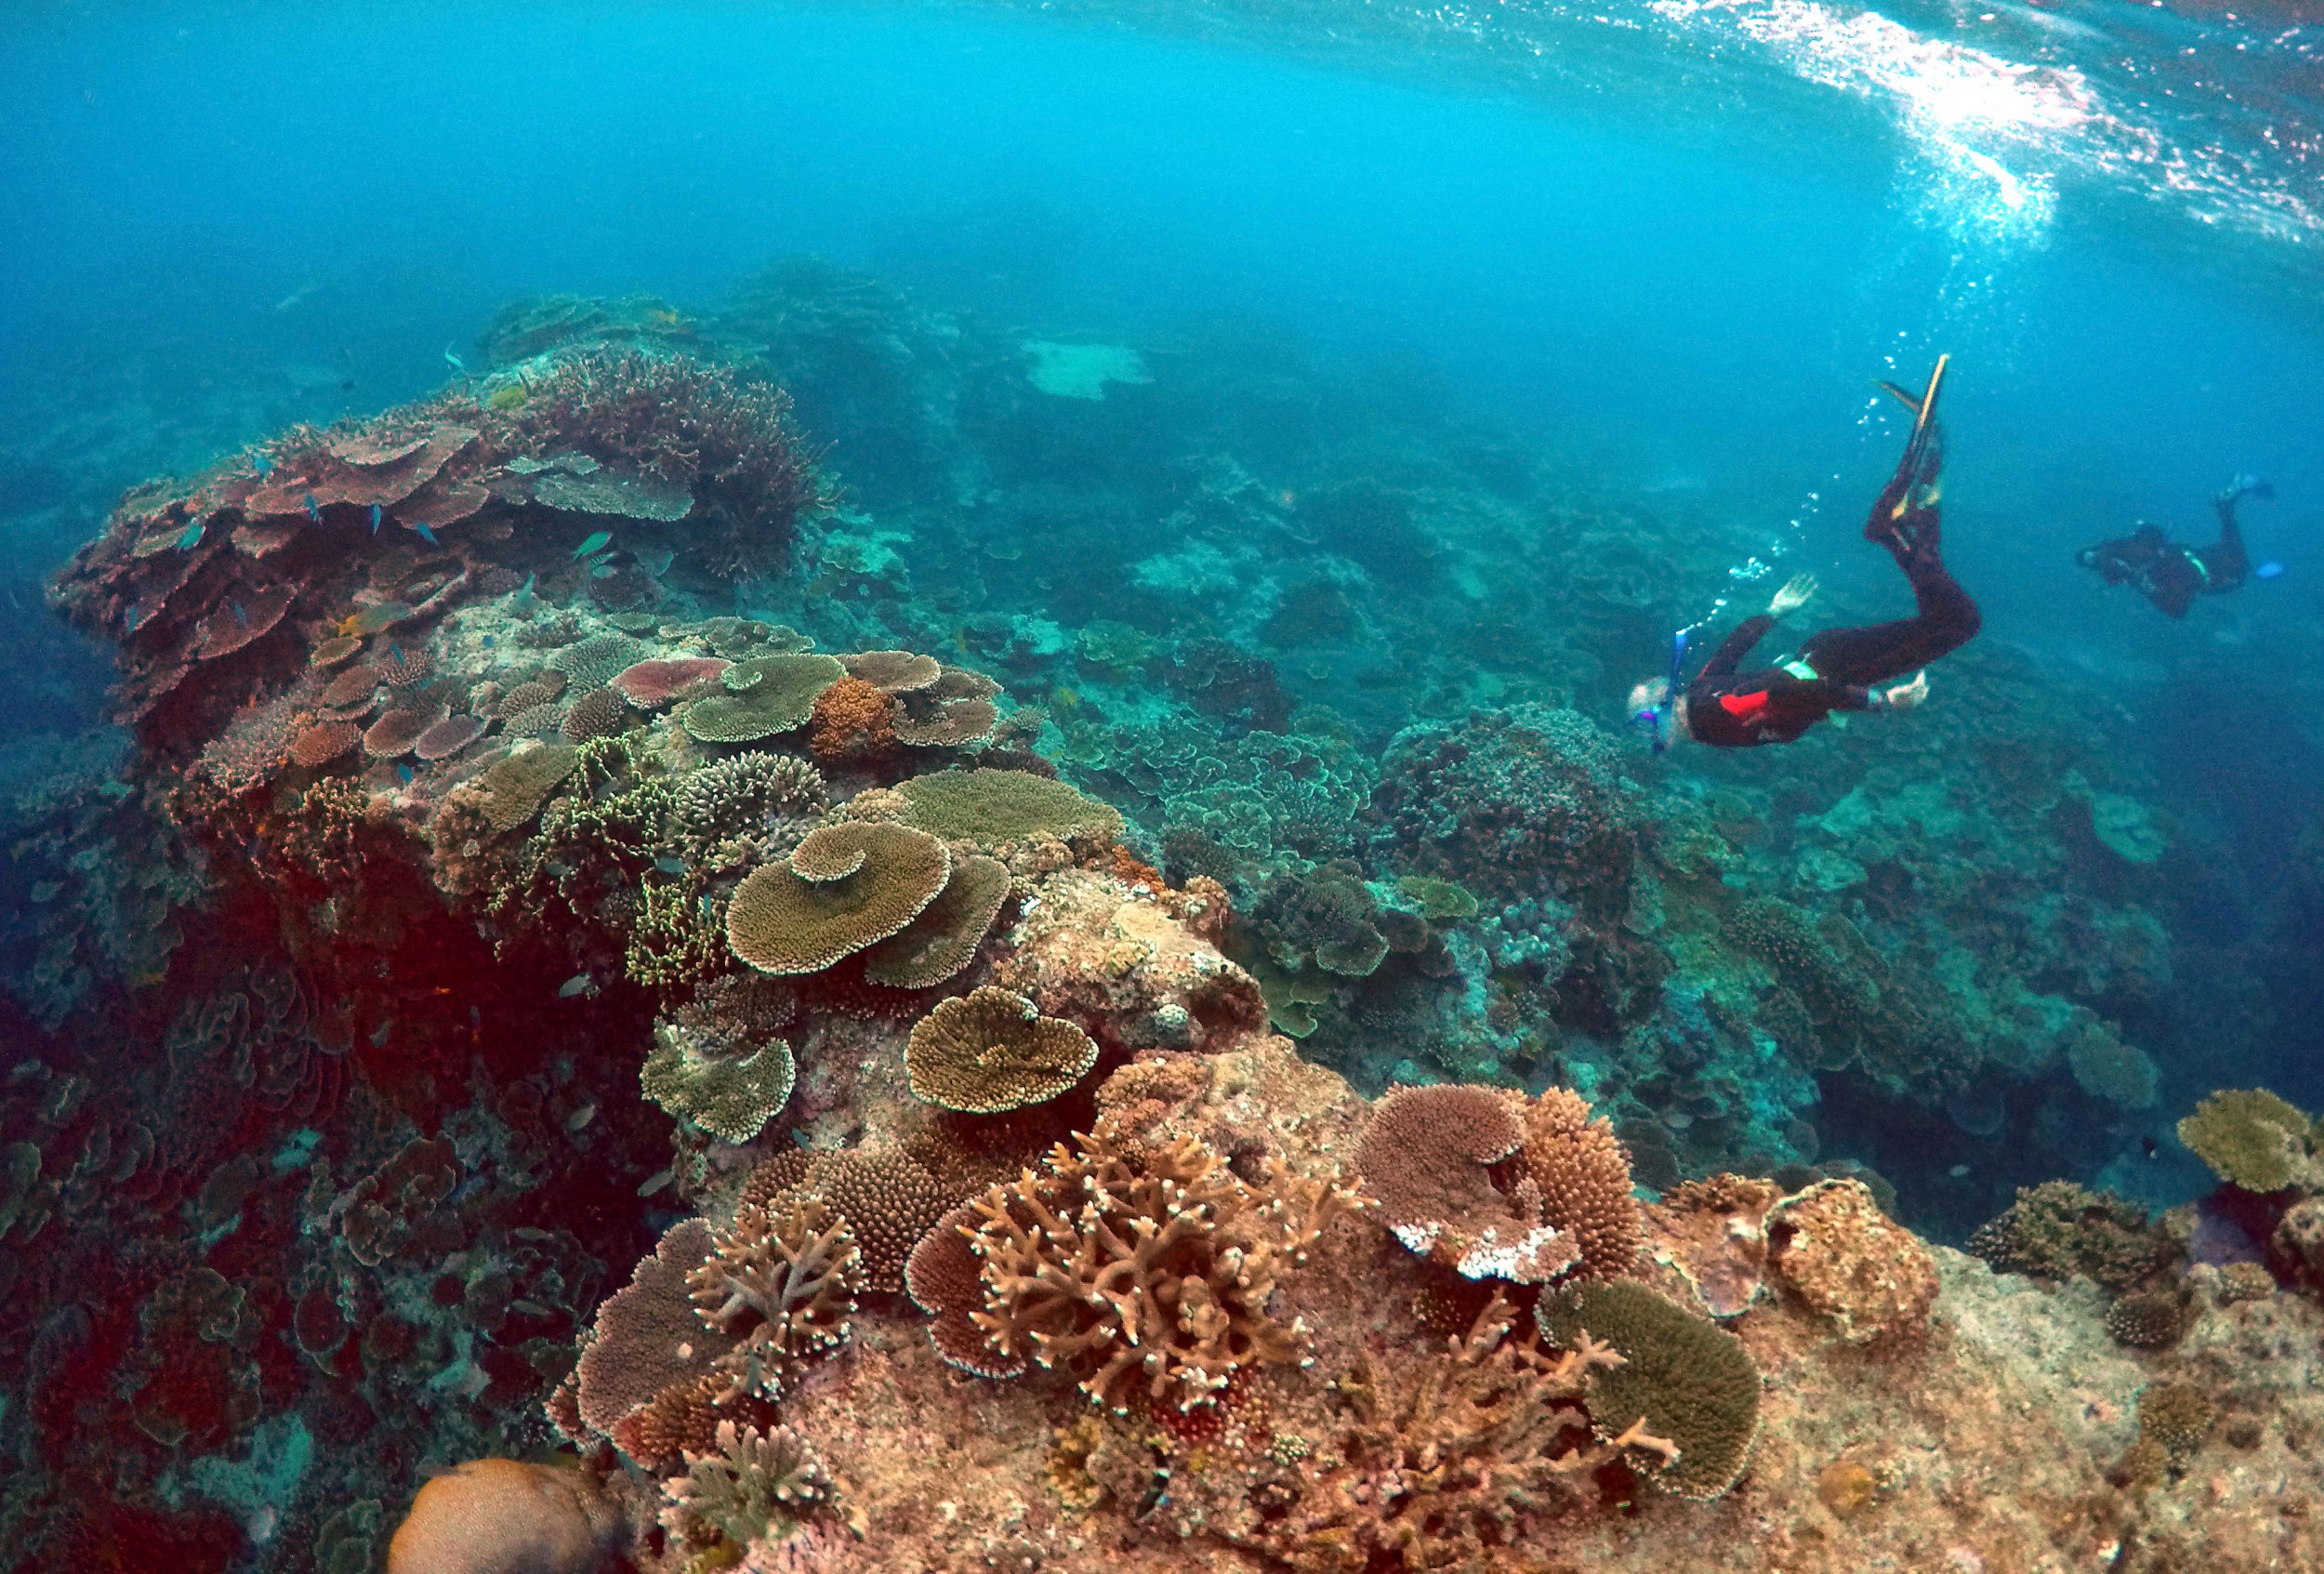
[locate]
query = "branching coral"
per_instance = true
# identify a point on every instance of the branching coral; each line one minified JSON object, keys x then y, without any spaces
{"x":854,"y":720}
{"x":730,"y":807}
{"x":1450,"y":1470}
{"x":757,"y":1485}
{"x":783,"y":1285}
{"x":887,"y":1199}
{"x":1145,"y":1268}
{"x":2058,"y":1229}
{"x":993,"y":1050}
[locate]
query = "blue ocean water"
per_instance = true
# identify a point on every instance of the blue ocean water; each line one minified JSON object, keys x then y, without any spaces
{"x":1617,"y":275}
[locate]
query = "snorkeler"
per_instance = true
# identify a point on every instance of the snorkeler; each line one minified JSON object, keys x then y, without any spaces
{"x":2171,"y":574}
{"x":1836,"y":669}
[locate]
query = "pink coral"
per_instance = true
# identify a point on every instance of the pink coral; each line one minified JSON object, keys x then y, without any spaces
{"x":652,"y":684}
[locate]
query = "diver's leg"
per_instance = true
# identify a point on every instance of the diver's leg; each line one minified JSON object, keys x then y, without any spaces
{"x":1944,"y":620}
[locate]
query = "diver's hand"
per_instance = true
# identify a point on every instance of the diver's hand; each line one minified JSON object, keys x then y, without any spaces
{"x":1904,"y":696}
{"x":1794,"y":596}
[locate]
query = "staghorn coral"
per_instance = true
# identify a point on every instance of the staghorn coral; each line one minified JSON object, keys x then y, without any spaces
{"x":1680,"y":1377}
{"x":760,"y":697}
{"x":676,"y":938}
{"x":854,"y":720}
{"x":943,"y":939}
{"x":731,"y":1097}
{"x":757,"y":1486}
{"x":1145,"y":1268}
{"x":992,"y":1051}
{"x":1869,"y":1276}
{"x":2252,"y":1139}
{"x":1452,"y":1469}
{"x":992,"y":808}
{"x":845,"y":887}
{"x":782,"y":1283}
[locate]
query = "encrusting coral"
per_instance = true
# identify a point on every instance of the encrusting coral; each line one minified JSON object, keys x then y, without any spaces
{"x":992,"y":1051}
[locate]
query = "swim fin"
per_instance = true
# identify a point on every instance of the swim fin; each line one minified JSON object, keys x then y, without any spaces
{"x":1923,"y":406}
{"x":1916,"y":486}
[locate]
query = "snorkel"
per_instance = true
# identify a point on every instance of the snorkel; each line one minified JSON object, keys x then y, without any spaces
{"x":1655,"y":720}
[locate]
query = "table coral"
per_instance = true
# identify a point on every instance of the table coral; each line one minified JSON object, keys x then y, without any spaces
{"x":992,"y":1051}
{"x":844,"y":887}
{"x":943,"y":940}
{"x":761,"y":698}
{"x":731,"y":1097}
{"x":2253,"y":1139}
{"x":994,"y":808}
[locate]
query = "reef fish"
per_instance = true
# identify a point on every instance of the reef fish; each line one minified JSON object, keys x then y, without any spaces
{"x":380,"y":1034}
{"x":314,"y":511}
{"x":578,"y":983}
{"x":670,"y":865}
{"x":192,"y":537}
{"x":599,"y":540}
{"x":378,"y":513}
{"x":239,"y":616}
{"x":425,"y":533}
{"x":405,"y":772}
{"x":454,"y":362}
{"x":264,"y":466}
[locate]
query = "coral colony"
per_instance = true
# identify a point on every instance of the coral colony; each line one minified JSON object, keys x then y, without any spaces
{"x":644,"y":1086}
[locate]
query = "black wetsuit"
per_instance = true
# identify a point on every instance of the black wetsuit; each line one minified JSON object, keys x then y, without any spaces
{"x":1837,"y":668}
{"x":2171,"y":574}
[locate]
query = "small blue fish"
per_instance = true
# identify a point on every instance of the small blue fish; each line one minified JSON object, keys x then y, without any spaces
{"x":603,"y":571}
{"x":405,"y":772}
{"x":377,"y":515}
{"x":454,"y":362}
{"x":670,"y":865}
{"x":395,"y":652}
{"x":129,"y":615}
{"x":486,"y":640}
{"x":574,"y":985}
{"x":239,"y":616}
{"x":264,"y":466}
{"x":2268,"y":570}
{"x":597,"y":541}
{"x":425,"y":533}
{"x":525,"y":588}
{"x":192,"y":537}
{"x":314,"y":511}
{"x":380,"y":1034}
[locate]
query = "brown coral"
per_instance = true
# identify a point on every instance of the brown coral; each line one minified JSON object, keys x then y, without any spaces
{"x":447,"y":737}
{"x":893,"y":672}
{"x":1713,"y":1233}
{"x":992,"y":807}
{"x":648,"y":1340}
{"x":1869,"y":1276}
{"x":887,"y":1199}
{"x":783,"y":1286}
{"x":595,"y":713}
{"x":944,"y":1278}
{"x":510,"y":790}
{"x":1428,"y":1155}
{"x":1582,"y":1172}
{"x":944,"y":938}
{"x":401,"y":668}
{"x":396,"y":732}
{"x":854,"y":720}
{"x":1452,"y":1468}
{"x":845,"y":887}
{"x":992,"y":1051}
{"x":2252,"y":1139}
{"x":1145,"y":1268}
{"x":761,"y":698}
{"x":325,"y":742}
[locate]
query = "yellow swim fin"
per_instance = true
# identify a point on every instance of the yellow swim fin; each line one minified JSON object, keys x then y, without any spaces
{"x":1923,"y":406}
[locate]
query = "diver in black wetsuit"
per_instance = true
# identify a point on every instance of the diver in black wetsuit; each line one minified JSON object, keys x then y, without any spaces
{"x":1840,"y":669}
{"x":2171,"y":574}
